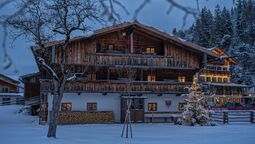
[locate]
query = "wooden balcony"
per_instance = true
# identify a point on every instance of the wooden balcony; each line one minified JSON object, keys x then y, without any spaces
{"x":136,"y":61}
{"x":119,"y":86}
{"x":217,"y":68}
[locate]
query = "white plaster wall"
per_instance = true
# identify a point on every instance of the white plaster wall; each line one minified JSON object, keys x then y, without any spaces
{"x":160,"y":100}
{"x":109,"y":102}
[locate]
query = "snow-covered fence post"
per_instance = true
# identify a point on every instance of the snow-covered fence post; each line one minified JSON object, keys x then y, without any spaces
{"x":225,"y":117}
{"x":252,"y":116}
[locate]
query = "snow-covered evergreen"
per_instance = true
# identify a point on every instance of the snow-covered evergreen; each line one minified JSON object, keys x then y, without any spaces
{"x":232,"y":30}
{"x":195,"y":111}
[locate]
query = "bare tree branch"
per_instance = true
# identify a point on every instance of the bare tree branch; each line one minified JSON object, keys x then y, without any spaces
{"x":172,"y":4}
{"x":109,"y":10}
{"x":8,"y":62}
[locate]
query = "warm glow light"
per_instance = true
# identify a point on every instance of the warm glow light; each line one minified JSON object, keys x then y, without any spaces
{"x":215,"y":78}
{"x":151,"y":78}
{"x":181,"y":78}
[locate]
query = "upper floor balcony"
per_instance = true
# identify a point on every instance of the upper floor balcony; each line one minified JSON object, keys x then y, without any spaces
{"x":120,"y":86}
{"x":136,"y":61}
{"x":217,"y":68}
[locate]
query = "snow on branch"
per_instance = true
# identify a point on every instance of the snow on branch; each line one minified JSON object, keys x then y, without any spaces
{"x":48,"y":68}
{"x":71,"y":77}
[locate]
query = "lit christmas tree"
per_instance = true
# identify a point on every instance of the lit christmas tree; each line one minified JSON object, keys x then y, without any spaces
{"x":195,"y":111}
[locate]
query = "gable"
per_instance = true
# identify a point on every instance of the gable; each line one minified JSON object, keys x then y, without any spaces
{"x":222,"y":53}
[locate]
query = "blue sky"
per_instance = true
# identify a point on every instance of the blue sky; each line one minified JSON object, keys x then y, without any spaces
{"x":154,"y":14}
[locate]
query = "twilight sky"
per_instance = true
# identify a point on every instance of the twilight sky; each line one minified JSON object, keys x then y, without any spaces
{"x":154,"y":14}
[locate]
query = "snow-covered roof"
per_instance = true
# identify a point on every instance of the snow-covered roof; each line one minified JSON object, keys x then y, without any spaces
{"x":30,"y":75}
{"x":223,"y":54}
{"x":227,"y":84}
{"x":13,"y":79}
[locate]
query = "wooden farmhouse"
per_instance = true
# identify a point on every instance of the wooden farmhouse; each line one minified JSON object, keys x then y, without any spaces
{"x":123,"y":61}
{"x":9,"y":91}
{"x":216,"y":77}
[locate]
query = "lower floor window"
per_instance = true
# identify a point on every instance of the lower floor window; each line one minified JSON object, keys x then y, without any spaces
{"x":66,"y":106}
{"x":152,"y":106}
{"x":91,"y":106}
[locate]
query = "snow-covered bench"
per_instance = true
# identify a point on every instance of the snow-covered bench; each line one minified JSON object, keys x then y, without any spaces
{"x":164,"y":117}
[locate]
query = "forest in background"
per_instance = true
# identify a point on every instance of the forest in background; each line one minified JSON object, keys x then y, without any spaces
{"x":233,"y":30}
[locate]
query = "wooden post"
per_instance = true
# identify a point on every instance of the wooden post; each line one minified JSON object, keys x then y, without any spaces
{"x":108,"y":74}
{"x":205,"y":60}
{"x":141,"y":75}
{"x":165,"y":48}
{"x":252,"y":116}
{"x":53,"y":54}
{"x":225,"y":117}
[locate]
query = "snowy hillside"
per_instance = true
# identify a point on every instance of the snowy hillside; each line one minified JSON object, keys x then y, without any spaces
{"x":19,"y":128}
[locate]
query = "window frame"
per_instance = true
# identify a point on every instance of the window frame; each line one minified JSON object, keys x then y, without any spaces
{"x":152,"y":103}
{"x":225,"y":80}
{"x":220,"y":80}
{"x":110,"y":47}
{"x":151,"y":77}
{"x":150,"y":50}
{"x":181,"y":78}
{"x":214,"y":79}
{"x":64,"y":106}
{"x":90,"y":105}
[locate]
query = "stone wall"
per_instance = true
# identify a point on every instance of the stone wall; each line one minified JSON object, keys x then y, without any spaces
{"x":84,"y":117}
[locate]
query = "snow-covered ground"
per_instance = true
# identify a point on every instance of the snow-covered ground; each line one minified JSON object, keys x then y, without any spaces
{"x":22,"y":129}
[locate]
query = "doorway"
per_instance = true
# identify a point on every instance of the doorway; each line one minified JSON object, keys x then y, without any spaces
{"x":136,"y":110}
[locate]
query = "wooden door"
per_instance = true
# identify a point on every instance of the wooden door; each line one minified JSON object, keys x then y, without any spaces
{"x":136,"y":110}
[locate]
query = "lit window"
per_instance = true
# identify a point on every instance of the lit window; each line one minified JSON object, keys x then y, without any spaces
{"x":208,"y":79}
{"x":150,"y":50}
{"x":152,"y":106}
{"x":151,"y":78}
{"x":66,"y":106}
{"x":219,"y":79}
{"x":225,"y":80}
{"x":202,"y":79}
{"x":91,"y":106}
{"x":124,"y":34}
{"x":214,"y":79}
{"x":181,"y":78}
{"x":110,"y":47}
{"x":181,"y":106}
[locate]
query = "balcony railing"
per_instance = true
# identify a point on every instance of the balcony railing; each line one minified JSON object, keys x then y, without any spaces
{"x":118,"y":86}
{"x":217,"y":68}
{"x":136,"y":60}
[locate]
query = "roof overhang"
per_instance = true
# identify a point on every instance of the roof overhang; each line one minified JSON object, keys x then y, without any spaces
{"x":221,"y":52}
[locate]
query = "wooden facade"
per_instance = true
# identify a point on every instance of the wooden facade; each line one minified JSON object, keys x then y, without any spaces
{"x":31,"y":85}
{"x":8,"y":85}
{"x":110,"y":51}
{"x":160,"y":65}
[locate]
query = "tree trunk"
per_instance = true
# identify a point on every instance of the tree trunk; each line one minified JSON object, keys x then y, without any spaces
{"x":54,"y":114}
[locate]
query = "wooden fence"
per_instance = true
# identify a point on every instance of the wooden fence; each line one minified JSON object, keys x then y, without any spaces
{"x":233,"y":116}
